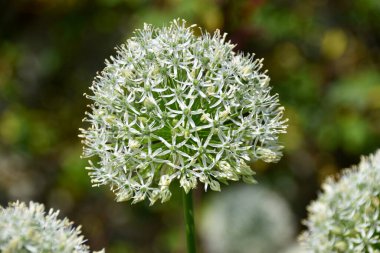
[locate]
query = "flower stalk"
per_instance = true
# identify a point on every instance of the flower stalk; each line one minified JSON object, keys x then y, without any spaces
{"x":189,"y":220}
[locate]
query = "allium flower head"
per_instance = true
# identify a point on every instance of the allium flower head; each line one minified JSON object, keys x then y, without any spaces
{"x":29,"y":229}
{"x":174,"y":106}
{"x":346,"y":215}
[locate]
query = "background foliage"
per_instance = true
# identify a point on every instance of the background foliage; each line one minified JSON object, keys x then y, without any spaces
{"x":323,"y":58}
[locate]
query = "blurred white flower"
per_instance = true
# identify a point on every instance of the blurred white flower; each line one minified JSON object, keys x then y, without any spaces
{"x":346,"y":215}
{"x":295,"y":248}
{"x":247,"y":220}
{"x":174,"y":106}
{"x":30,"y":229}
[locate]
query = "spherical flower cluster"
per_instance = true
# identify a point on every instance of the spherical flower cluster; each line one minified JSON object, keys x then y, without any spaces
{"x":247,"y":219}
{"x":29,"y":229}
{"x":346,"y":215}
{"x":174,"y":106}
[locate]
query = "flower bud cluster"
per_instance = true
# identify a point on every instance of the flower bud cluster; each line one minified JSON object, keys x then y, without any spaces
{"x":29,"y":229}
{"x":174,"y":106}
{"x":346,"y":215}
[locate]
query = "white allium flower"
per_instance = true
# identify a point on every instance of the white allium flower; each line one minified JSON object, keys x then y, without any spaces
{"x":346,"y":215}
{"x":174,"y":106}
{"x":247,"y":220}
{"x":30,"y":229}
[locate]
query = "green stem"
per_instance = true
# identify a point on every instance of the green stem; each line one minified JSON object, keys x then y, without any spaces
{"x":189,"y":220}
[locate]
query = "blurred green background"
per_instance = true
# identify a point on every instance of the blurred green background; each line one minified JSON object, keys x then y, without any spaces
{"x":323,"y":58}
